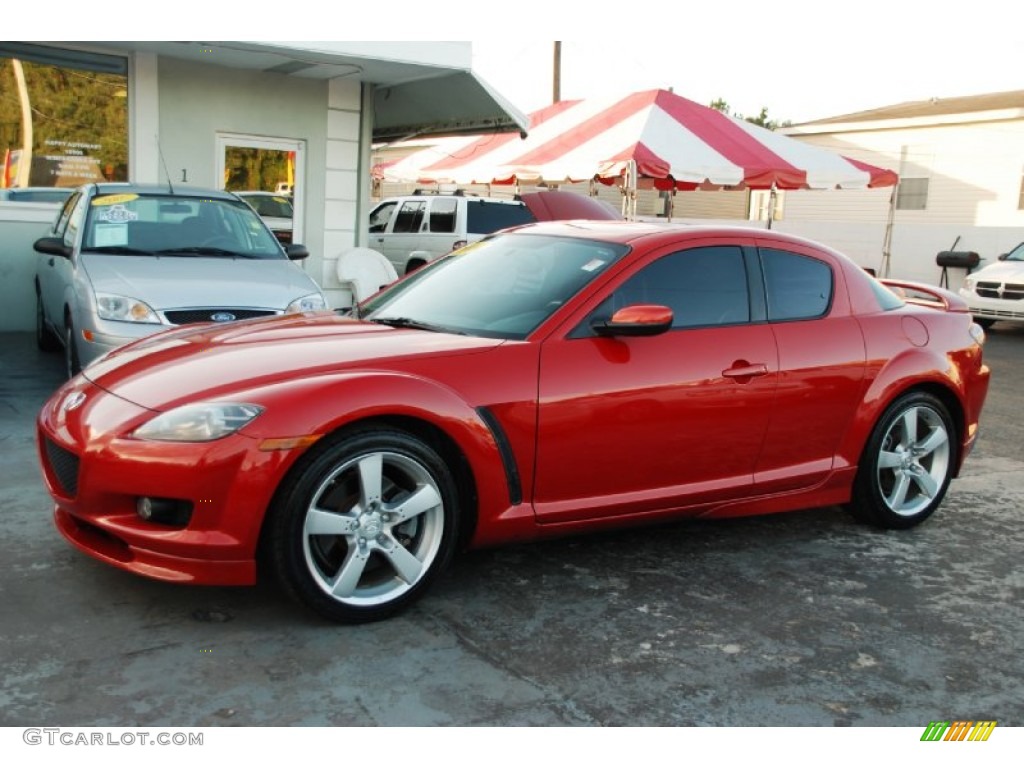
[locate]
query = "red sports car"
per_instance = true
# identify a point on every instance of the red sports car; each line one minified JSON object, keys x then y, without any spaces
{"x":554,"y":379}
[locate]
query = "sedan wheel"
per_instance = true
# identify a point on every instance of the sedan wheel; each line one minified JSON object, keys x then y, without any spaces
{"x":363,"y":525}
{"x":907,"y":464}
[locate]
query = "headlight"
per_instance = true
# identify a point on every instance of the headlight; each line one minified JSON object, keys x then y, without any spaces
{"x":199,"y":422}
{"x":969,"y":283}
{"x":312,"y":303}
{"x":110,"y":306}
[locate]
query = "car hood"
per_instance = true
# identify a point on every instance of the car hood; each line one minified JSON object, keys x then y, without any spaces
{"x":1001,"y":270}
{"x":214,"y":359}
{"x":553,"y":205}
{"x":169,"y":282}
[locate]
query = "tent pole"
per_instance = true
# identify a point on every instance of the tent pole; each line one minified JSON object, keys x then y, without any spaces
{"x":771,"y":205}
{"x":887,"y":240}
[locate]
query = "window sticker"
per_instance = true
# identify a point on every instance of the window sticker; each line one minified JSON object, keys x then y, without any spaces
{"x":593,"y":264}
{"x":114,"y":199}
{"x":115,"y":233}
{"x":116,"y":213}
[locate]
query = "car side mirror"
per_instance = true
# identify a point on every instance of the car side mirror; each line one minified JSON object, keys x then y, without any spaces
{"x":296,"y":252}
{"x":635,"y":320}
{"x":53,"y":246}
{"x":1002,"y":256}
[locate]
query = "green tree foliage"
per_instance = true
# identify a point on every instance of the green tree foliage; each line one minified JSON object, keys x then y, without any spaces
{"x":73,"y":111}
{"x":762,"y":119}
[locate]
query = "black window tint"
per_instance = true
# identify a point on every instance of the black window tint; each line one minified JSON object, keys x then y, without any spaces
{"x":798,"y":287}
{"x":484,"y":217}
{"x":702,"y":286}
{"x":442,"y":214}
{"x":410,"y":216}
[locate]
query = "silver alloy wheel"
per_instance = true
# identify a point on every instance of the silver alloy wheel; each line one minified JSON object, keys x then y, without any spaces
{"x":914,"y":460}
{"x":373,"y":528}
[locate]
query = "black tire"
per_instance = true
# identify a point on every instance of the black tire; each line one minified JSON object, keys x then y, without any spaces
{"x":907,"y":463}
{"x":414,"y":264}
{"x":984,"y":322}
{"x":72,"y":365}
{"x":45,"y":338}
{"x":386,"y":507}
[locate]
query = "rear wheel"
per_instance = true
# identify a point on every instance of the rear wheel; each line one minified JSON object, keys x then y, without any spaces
{"x":363,"y":525}
{"x":907,"y":463}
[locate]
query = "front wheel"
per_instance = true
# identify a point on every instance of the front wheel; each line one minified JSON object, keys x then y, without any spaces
{"x":363,"y":525}
{"x":907,"y":463}
{"x":45,"y":339}
{"x":72,"y":364}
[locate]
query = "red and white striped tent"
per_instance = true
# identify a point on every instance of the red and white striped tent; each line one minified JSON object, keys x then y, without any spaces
{"x":655,"y":136}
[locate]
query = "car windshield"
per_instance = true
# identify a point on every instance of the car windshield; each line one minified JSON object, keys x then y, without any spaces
{"x":501,"y":287}
{"x":1017,"y":254}
{"x":177,"y":225}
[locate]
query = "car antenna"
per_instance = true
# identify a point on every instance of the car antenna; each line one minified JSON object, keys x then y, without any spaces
{"x":164,"y":163}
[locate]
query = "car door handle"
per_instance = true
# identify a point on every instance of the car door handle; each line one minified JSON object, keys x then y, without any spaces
{"x":50,"y":262}
{"x":742,"y":370}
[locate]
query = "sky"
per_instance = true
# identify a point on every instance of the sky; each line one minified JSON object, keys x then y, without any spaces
{"x":800,"y":59}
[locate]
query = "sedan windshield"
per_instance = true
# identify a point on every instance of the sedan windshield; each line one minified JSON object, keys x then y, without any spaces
{"x":177,"y":225}
{"x":502,"y":287}
{"x":1017,"y":254}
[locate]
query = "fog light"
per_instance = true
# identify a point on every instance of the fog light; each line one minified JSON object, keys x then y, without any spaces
{"x":175,"y":512}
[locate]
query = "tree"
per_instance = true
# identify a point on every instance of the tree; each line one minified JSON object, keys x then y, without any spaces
{"x":721,"y":105}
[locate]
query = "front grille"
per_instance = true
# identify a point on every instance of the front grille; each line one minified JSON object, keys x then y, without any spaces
{"x":185,"y":316}
{"x":64,"y":465}
{"x":1011,"y":291}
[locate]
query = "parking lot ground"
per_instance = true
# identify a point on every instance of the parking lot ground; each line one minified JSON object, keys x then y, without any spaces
{"x":797,"y":619}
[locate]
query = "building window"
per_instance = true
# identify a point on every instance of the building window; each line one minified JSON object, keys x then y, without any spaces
{"x":915,"y":172}
{"x":912,"y":194}
{"x":63,"y":116}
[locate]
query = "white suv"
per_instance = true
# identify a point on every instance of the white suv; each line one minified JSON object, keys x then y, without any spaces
{"x":415,"y":229}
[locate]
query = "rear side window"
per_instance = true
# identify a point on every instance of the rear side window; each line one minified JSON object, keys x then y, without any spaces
{"x":485,"y":217}
{"x":410,"y":216}
{"x":442,"y":214}
{"x":798,"y":287}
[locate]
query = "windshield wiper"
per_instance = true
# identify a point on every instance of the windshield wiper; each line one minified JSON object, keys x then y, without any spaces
{"x":202,"y":250}
{"x":123,"y":249}
{"x":408,"y":322}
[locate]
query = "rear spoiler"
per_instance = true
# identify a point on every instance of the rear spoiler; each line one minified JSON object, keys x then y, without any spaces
{"x":926,"y":295}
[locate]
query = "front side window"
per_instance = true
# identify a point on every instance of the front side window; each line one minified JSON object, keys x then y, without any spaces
{"x":798,"y":287}
{"x":381,"y":215}
{"x":702,"y":286}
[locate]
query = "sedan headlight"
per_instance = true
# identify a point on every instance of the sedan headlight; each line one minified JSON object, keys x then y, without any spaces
{"x":110,"y":306}
{"x":199,"y":422}
{"x":311,"y":303}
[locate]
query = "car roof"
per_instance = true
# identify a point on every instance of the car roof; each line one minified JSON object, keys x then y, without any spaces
{"x":629,"y":232}
{"x":117,"y":187}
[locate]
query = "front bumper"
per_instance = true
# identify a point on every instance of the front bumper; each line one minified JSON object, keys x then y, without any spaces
{"x":96,"y":476}
{"x":994,"y":309}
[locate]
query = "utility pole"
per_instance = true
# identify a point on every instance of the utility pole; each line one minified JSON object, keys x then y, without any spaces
{"x":556,"y":92}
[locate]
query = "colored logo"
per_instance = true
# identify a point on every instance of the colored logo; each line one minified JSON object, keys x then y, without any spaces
{"x":958,"y":730}
{"x":222,"y":317}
